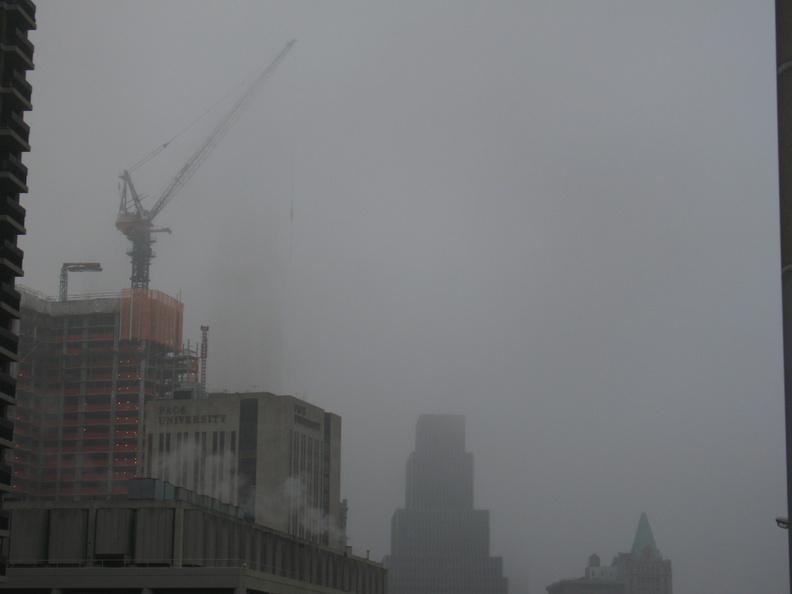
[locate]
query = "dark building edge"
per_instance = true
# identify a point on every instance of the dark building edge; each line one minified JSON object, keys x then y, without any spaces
{"x":17,"y":17}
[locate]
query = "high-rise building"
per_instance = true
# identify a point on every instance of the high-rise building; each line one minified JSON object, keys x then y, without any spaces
{"x":278,"y":457}
{"x":439,"y":542}
{"x":17,"y":17}
{"x":641,"y":571}
{"x":86,"y":368}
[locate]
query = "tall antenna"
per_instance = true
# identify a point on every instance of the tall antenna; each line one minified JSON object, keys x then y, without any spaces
{"x":204,"y":353}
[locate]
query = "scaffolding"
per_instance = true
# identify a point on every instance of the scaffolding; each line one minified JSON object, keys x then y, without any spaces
{"x":87,"y":367}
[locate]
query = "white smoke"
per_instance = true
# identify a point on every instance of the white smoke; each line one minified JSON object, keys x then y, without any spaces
{"x":300,"y":499}
{"x":293,"y":506}
{"x":217,"y":475}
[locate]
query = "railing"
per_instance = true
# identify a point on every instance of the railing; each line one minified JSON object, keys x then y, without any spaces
{"x":127,"y":562}
{"x":340,"y":580}
{"x":85,"y":296}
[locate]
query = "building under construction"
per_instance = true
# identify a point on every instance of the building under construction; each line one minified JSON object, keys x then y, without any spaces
{"x":87,"y":366}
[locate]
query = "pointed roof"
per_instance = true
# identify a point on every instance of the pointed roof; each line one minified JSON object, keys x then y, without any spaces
{"x":644,"y":543}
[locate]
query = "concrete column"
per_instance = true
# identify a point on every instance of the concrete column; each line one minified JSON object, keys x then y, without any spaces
{"x":90,"y":543}
{"x":178,"y":537}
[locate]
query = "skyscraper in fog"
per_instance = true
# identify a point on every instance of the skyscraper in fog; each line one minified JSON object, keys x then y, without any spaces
{"x":439,"y":543}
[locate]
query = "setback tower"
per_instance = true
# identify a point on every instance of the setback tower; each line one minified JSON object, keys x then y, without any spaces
{"x":439,"y":543}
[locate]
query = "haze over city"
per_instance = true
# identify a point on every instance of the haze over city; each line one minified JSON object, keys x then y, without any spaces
{"x":558,"y":219}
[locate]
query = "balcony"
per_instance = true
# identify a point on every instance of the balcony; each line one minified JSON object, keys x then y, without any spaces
{"x":9,"y":343}
{"x":17,"y":49}
{"x":11,"y":257}
{"x":23,"y":12}
{"x":99,"y":407}
{"x":6,"y":432}
{"x":20,"y":38}
{"x":12,"y":216}
{"x":101,"y":336}
{"x":13,"y":175}
{"x":102,"y":421}
{"x":7,"y":389}
{"x":5,"y":477}
{"x":9,"y":301}
{"x":17,"y":91}
{"x":103,"y":435}
{"x":14,"y":133}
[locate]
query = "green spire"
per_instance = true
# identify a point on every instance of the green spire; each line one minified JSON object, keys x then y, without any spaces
{"x":644,"y":543}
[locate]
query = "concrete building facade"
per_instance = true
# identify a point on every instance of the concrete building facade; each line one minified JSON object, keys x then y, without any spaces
{"x":167,"y":540}
{"x":17,"y":18}
{"x":641,"y":571}
{"x":87,"y":366}
{"x":278,"y":457}
{"x":439,"y":542}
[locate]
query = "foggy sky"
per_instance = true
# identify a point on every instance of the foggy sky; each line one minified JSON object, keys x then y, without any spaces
{"x":557,"y":218}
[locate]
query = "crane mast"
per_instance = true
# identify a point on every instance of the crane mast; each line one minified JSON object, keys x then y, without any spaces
{"x":136,"y":222}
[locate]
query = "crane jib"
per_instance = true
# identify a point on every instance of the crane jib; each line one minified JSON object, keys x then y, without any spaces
{"x":136,"y":222}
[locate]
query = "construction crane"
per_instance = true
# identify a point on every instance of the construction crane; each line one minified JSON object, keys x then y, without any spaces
{"x":136,"y":222}
{"x":74,"y":267}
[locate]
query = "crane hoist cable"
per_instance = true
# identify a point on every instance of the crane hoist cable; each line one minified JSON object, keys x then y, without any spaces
{"x":136,"y":222}
{"x":167,"y":143}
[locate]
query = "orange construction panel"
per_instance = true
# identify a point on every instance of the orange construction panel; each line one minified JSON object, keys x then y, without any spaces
{"x":151,"y":315}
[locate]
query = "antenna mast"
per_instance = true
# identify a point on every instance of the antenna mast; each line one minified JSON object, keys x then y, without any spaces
{"x":204,"y":353}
